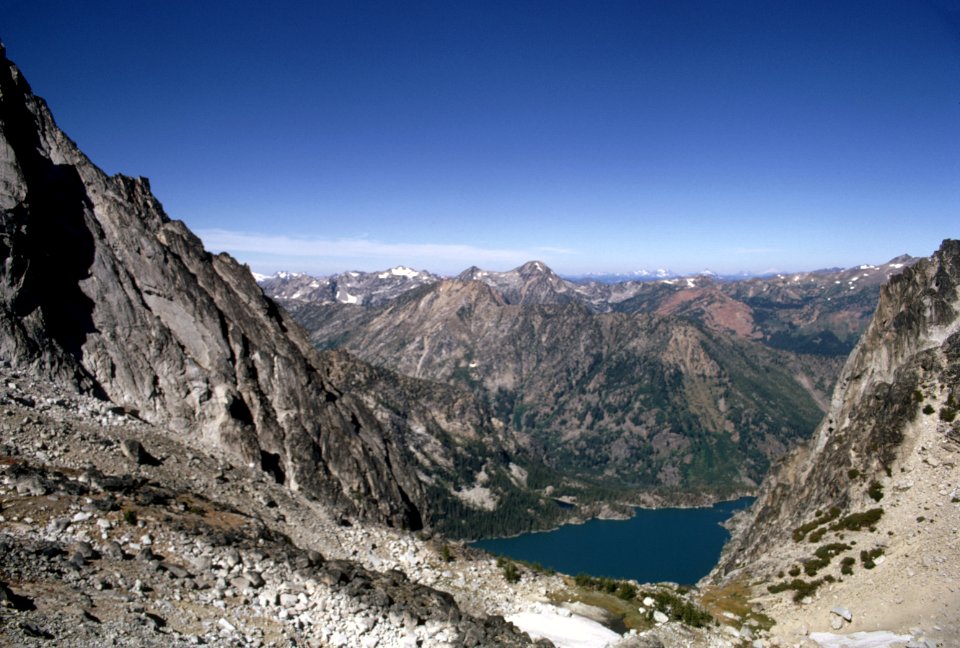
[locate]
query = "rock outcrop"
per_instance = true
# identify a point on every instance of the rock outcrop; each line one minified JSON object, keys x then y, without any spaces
{"x":99,"y":289}
{"x":868,"y":508}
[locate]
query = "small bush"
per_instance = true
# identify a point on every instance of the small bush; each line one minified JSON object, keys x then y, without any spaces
{"x":801,"y":531}
{"x":868,"y":558}
{"x":445,"y":554}
{"x":794,"y":571}
{"x":928,"y":409}
{"x":828,"y":551}
{"x":678,"y":608}
{"x":801,"y":588}
{"x":875,"y":491}
{"x":626,"y":591}
{"x":510,"y":572}
{"x":948,"y":414}
{"x":853,"y":473}
{"x":856,"y":521}
{"x":846,"y":565}
{"x":130,"y":517}
{"x":812,"y":566}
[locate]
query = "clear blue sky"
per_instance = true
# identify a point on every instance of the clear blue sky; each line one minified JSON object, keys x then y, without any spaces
{"x":596,"y":136}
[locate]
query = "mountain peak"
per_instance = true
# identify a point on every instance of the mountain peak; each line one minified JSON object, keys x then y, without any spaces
{"x":531,"y":267}
{"x":103,"y":292}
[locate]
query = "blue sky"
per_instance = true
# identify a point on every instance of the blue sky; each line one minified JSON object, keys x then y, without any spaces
{"x":596,"y":136}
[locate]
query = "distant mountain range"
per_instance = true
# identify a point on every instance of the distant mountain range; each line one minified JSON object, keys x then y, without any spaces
{"x":820,"y":312}
{"x":684,"y":387}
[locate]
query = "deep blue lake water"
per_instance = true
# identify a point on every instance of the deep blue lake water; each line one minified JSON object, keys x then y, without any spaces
{"x":677,"y":545}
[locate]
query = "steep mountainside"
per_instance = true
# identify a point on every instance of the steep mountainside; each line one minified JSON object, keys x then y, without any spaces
{"x":869,"y":508}
{"x":645,"y":401}
{"x":102,"y":291}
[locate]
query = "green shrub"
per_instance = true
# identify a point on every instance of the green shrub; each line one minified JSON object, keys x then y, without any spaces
{"x":801,"y":588}
{"x":928,"y":409}
{"x":846,"y":565}
{"x":626,"y":591}
{"x":853,"y":473}
{"x":812,"y":566}
{"x":856,"y":521}
{"x":828,"y":551}
{"x":875,"y":491}
{"x":822,"y":518}
{"x":868,"y":558}
{"x":130,"y":517}
{"x":678,"y":608}
{"x":948,"y":414}
{"x":510,"y":572}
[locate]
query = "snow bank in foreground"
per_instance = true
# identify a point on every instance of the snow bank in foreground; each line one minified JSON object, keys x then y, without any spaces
{"x":569,"y":631}
{"x":878,"y":639}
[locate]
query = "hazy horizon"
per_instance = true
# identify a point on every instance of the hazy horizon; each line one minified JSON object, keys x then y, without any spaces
{"x":743,"y":136}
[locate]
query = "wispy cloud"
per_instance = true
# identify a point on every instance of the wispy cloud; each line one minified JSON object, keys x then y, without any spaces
{"x":301,"y":251}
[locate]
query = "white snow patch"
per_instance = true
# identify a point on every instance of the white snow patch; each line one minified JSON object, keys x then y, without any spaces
{"x":399,"y":271}
{"x":259,"y":277}
{"x":877,"y":639}
{"x":691,"y":282}
{"x":564,"y":631}
{"x":867,"y":267}
{"x":346,"y":298}
{"x":297,"y":295}
{"x":314,"y":284}
{"x":897,"y":265}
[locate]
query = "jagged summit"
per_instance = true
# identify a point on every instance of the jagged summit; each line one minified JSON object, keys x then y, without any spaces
{"x":101,"y":290}
{"x":360,"y":288}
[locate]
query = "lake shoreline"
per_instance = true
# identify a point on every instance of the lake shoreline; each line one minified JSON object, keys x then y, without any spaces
{"x":675,"y":544}
{"x":605,"y":511}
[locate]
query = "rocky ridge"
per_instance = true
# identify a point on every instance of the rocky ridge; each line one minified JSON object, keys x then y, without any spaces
{"x":869,"y":508}
{"x":100,"y":290}
{"x":360,"y":288}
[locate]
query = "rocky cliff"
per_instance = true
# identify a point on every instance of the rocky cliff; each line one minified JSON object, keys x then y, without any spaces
{"x":100,"y":290}
{"x":870,"y":507}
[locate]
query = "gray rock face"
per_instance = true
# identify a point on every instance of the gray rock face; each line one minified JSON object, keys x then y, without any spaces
{"x":908,"y":359}
{"x":101,"y":290}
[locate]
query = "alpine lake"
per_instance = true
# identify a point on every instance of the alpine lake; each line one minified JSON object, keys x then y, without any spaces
{"x":679,"y":545}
